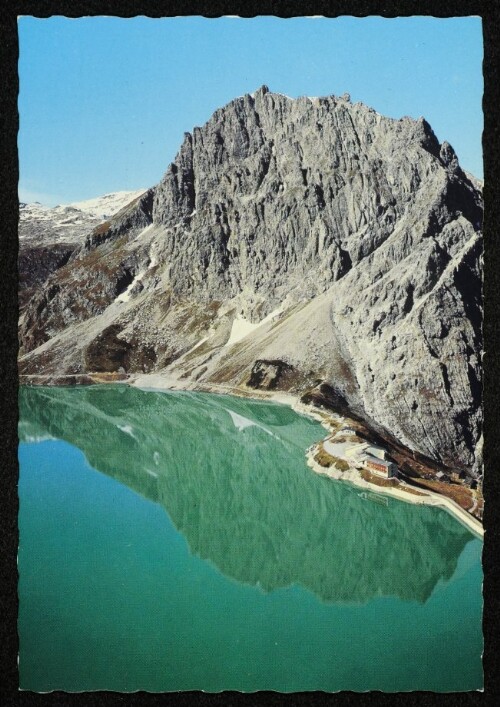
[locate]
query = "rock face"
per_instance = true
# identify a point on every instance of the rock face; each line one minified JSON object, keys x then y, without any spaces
{"x":36,"y":263}
{"x":269,"y":375}
{"x":291,"y":242}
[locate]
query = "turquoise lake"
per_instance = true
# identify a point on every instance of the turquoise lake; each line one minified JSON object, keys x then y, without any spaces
{"x":178,"y":541}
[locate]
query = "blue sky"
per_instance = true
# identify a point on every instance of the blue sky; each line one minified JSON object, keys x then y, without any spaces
{"x":104,"y":102}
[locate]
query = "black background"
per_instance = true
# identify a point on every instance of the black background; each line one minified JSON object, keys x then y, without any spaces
{"x":9,"y":11}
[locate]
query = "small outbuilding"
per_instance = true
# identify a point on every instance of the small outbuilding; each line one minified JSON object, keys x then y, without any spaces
{"x":375,"y":451}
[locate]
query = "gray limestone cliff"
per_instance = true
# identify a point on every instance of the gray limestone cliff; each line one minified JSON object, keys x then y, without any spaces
{"x":290,"y":242}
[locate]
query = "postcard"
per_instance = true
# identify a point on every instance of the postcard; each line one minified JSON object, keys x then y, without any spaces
{"x":250,"y":260}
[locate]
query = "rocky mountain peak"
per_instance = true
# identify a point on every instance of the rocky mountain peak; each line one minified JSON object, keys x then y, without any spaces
{"x":307,"y":164}
{"x":314,"y":233}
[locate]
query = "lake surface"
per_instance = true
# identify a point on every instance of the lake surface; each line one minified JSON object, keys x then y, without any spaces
{"x":177,"y":541}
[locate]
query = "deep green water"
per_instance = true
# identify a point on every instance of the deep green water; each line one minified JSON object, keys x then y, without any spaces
{"x":167,"y":544}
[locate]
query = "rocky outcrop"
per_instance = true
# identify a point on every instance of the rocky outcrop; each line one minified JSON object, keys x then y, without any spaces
{"x":268,"y":375}
{"x":132,"y":217}
{"x":311,"y":232}
{"x":36,"y":263}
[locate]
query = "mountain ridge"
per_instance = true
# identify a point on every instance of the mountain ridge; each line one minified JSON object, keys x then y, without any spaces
{"x":49,"y":235}
{"x":43,"y":225}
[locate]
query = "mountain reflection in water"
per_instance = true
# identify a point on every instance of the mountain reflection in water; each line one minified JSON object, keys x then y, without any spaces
{"x":231,"y":474}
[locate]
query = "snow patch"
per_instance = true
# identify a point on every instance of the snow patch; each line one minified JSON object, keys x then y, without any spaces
{"x":153,"y":261}
{"x":107,"y":205}
{"x":125,"y":296}
{"x":243,"y":327}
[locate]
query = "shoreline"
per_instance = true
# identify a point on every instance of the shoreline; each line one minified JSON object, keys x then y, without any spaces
{"x":425,"y":497}
{"x":161,"y":383}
